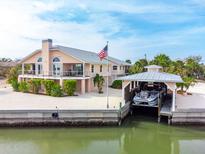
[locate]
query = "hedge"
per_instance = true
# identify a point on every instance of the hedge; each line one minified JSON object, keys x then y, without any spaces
{"x":69,"y":87}
{"x":117,"y":84}
{"x":56,"y":90}
{"x":48,"y":84}
{"x":35,"y":85}
{"x":23,"y":86}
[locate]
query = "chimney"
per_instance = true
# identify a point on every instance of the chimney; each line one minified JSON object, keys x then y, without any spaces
{"x":46,"y":45}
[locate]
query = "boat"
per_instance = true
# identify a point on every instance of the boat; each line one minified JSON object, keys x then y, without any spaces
{"x":149,"y":98}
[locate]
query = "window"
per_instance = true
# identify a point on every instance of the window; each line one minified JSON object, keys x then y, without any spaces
{"x":100,"y":68}
{"x":40,"y":60}
{"x":120,"y":67}
{"x":56,"y":66}
{"x":114,"y":67}
{"x":92,"y":68}
{"x":78,"y":68}
{"x":56,"y":59}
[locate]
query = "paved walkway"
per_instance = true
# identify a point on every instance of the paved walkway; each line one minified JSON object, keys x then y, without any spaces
{"x":194,"y":101}
{"x":10,"y":100}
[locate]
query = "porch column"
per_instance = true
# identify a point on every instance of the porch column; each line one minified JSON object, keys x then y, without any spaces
{"x":61,"y":82}
{"x":82,"y":88}
{"x":19,"y":79}
{"x":22,"y":68}
{"x":89,"y":85}
{"x":174,"y":100}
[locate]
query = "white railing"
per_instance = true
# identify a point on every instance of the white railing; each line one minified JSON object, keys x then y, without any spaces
{"x":54,"y":73}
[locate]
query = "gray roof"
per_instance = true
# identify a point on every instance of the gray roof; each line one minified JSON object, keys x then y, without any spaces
{"x":153,"y":77}
{"x":87,"y":56}
{"x":153,"y":66}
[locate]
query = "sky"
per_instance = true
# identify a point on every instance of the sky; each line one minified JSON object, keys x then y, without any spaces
{"x":132,"y":27}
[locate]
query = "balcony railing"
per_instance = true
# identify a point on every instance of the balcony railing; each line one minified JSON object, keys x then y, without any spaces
{"x":54,"y":73}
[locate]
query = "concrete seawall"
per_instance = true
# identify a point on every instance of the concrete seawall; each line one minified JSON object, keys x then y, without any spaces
{"x":63,"y":117}
{"x":191,"y":116}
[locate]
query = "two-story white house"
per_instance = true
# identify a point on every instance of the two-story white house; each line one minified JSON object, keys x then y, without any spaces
{"x":62,"y":63}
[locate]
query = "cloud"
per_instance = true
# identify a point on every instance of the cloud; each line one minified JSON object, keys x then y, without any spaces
{"x":132,"y":28}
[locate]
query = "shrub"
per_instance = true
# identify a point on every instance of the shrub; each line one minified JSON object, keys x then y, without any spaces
{"x":48,"y":84}
{"x":117,"y":84}
{"x":35,"y":85}
{"x":69,"y":87}
{"x":13,"y":74}
{"x":23,"y":87}
{"x":15,"y":85}
{"x":56,"y":90}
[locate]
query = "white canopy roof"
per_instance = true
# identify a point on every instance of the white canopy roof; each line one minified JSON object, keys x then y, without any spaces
{"x":153,"y":77}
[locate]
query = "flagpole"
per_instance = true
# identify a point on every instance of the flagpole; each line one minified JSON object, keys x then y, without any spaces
{"x":107,"y":78}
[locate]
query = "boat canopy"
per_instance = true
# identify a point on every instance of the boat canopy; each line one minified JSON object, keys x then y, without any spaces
{"x":153,"y":77}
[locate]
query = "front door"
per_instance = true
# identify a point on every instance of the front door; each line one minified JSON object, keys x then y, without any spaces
{"x":56,"y":69}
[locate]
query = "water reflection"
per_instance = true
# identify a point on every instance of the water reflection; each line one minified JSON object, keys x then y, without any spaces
{"x":134,"y":137}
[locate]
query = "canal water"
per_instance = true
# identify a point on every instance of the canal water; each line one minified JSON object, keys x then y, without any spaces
{"x":138,"y":135}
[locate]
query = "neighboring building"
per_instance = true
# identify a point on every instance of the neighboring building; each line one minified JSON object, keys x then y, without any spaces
{"x":61,"y":63}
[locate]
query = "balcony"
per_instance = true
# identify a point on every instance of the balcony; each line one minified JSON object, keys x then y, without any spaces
{"x":39,"y":74}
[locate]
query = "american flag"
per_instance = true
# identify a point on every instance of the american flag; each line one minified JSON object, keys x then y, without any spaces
{"x":103,"y":53}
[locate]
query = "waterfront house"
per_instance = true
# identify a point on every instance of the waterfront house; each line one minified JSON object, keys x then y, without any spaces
{"x":61,"y":63}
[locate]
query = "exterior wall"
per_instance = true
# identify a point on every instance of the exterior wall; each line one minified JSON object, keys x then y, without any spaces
{"x":33,"y":58}
{"x":87,"y":69}
{"x":120,"y":69}
{"x":78,"y":86}
{"x":153,"y":70}
{"x":63,"y":57}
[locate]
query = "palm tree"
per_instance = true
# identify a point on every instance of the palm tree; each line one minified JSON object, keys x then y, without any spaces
{"x":99,"y":81}
{"x":188,"y":81}
{"x":162,"y":60}
{"x":138,"y":66}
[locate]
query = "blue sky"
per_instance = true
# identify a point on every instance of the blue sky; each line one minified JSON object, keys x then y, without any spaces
{"x":133,"y":27}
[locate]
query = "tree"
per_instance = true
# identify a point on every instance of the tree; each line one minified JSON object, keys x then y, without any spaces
{"x":138,"y":66}
{"x":128,"y":61}
{"x":178,"y":67}
{"x":188,"y":81}
{"x":99,"y":81}
{"x":162,"y":60}
{"x":13,"y":74}
{"x":194,"y":69}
